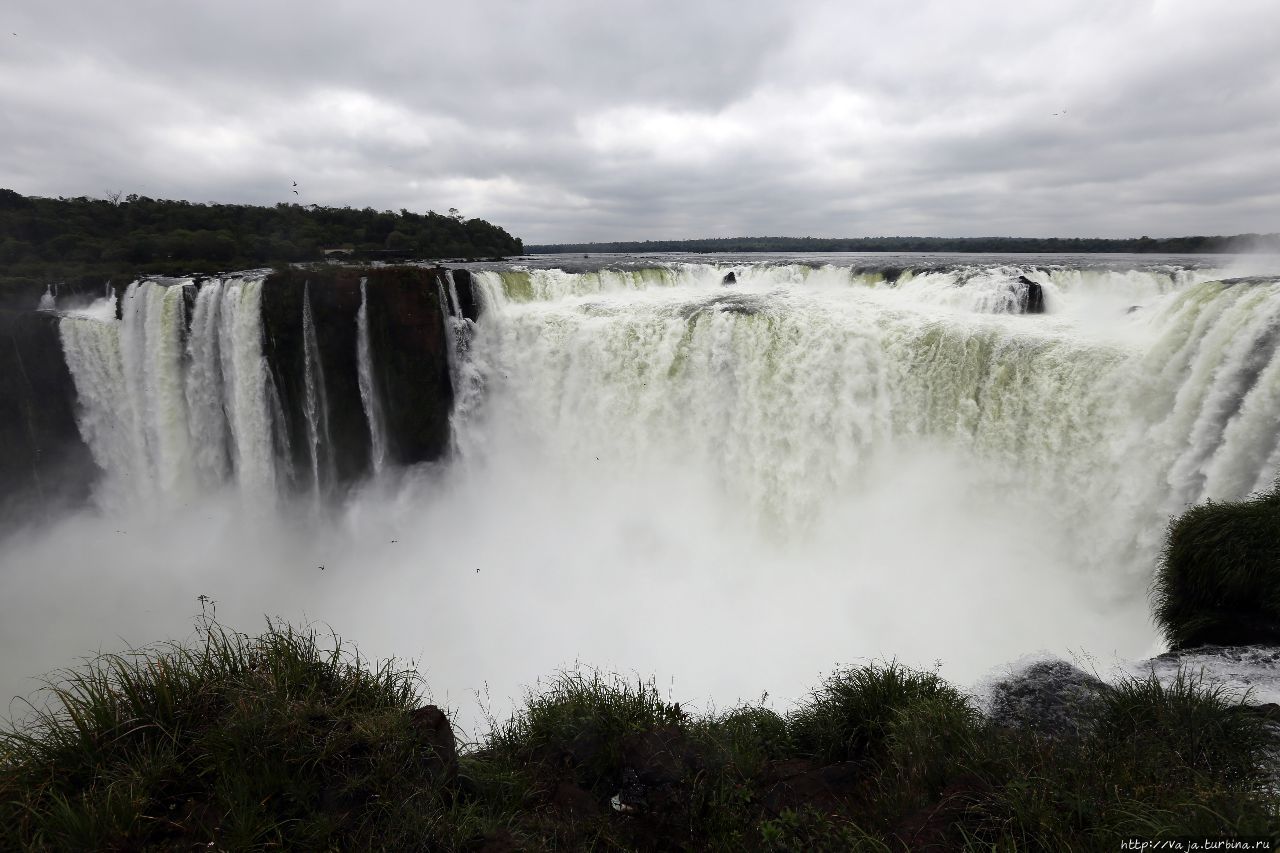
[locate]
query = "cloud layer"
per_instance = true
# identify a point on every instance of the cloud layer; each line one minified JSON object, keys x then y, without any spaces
{"x":568,"y":120}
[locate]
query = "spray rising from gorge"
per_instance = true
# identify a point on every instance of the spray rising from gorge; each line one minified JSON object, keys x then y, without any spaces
{"x":733,"y":485}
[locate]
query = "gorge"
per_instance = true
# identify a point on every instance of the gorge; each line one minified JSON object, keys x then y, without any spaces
{"x":499,"y":468}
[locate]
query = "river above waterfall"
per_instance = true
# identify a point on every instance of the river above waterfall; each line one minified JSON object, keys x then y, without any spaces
{"x":729,"y":485}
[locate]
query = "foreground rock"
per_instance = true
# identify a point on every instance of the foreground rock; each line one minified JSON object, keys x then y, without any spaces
{"x":1049,"y":697}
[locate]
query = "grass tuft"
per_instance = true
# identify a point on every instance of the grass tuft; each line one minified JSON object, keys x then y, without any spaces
{"x":854,"y":714}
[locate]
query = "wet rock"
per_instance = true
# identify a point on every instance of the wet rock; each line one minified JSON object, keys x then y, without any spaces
{"x":44,"y":462}
{"x":432,"y":728}
{"x":1047,"y":697}
{"x":469,"y":304}
{"x":730,"y":278}
{"x":409,"y":355}
{"x":1030,"y":296}
{"x":335,"y":299}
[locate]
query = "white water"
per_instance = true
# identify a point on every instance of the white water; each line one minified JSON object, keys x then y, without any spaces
{"x":786,"y":388}
{"x":164,"y":419}
{"x":738,"y":487}
{"x":368,"y":388}
{"x":316,"y":403}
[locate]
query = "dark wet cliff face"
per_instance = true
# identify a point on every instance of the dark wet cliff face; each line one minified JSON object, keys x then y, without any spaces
{"x":335,"y":299}
{"x":410,"y":362}
{"x":43,"y":461}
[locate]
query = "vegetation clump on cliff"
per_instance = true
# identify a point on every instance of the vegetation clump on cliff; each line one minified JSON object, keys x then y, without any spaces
{"x":1219,"y":576}
{"x":282,"y":740}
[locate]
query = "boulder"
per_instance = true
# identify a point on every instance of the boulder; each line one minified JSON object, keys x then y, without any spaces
{"x":1046,"y":698}
{"x":730,"y":278}
{"x":1030,"y":296}
{"x":432,"y":728}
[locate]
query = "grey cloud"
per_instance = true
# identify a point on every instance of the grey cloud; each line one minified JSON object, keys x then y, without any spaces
{"x":568,"y":120}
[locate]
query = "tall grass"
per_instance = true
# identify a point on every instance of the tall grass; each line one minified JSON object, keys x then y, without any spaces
{"x":238,"y":741}
{"x":289,"y":740}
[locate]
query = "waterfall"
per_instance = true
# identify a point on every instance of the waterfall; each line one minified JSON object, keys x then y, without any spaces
{"x":165,"y":410}
{"x":467,"y":380}
{"x":316,"y":408}
{"x":785,"y":389}
{"x":246,"y":378}
{"x":210,"y":432}
{"x":368,"y":386}
{"x":48,"y":302}
{"x":1140,"y":392}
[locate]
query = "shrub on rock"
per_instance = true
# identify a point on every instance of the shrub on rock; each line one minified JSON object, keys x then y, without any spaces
{"x":1219,"y":576}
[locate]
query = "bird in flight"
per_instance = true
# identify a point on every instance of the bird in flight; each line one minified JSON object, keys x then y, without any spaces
{"x":295,"y":183}
{"x":295,"y":192}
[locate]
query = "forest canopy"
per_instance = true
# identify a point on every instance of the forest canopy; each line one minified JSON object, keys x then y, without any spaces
{"x":141,"y":234}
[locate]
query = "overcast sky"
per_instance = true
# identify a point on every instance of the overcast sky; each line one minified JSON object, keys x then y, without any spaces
{"x":564,"y":120}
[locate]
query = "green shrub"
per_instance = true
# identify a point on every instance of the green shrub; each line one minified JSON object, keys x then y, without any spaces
{"x":1219,"y":575}
{"x":239,"y":741}
{"x":582,"y":719}
{"x":853,"y":715}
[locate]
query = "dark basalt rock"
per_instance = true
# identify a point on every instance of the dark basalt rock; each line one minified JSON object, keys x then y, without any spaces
{"x":1030,"y":296}
{"x":44,"y":462}
{"x":335,"y":299}
{"x":468,"y":299}
{"x":730,"y":278}
{"x":411,"y":360}
{"x":409,"y":355}
{"x":433,"y":731}
{"x":1046,"y":697}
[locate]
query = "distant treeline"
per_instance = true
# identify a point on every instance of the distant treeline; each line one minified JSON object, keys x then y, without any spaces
{"x":140,"y":234}
{"x":1164,"y":245}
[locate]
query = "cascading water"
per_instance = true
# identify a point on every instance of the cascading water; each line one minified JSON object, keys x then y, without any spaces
{"x":1141,"y":392}
{"x":368,"y":388}
{"x":466,"y":379}
{"x":210,"y":432}
{"x":316,"y":409}
{"x":163,"y":409}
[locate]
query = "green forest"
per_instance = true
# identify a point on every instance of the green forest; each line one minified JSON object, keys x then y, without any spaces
{"x":81,"y":236}
{"x":1074,"y":245}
